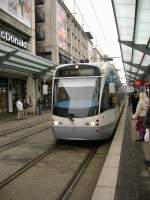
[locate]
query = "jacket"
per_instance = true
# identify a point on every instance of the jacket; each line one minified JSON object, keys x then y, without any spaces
{"x":19,"y":105}
{"x":141,"y":109}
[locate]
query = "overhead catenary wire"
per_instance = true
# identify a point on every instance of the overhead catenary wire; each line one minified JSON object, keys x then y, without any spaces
{"x":99,"y":23}
{"x":85,"y":22}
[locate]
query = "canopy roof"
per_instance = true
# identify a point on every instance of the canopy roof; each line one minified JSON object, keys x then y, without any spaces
{"x":16,"y":60}
{"x":133,"y":26}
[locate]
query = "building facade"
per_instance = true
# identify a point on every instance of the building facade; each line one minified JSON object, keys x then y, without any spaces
{"x":19,"y":67}
{"x":59,"y":37}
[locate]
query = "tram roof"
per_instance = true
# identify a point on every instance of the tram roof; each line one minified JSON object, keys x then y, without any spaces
{"x":14,"y":60}
{"x":103,"y":66}
{"x":133,"y":26}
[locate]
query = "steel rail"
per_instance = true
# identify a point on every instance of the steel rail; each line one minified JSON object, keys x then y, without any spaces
{"x":27,"y":166}
{"x":12,"y":130}
{"x":65,"y":194}
{"x":22,"y":138}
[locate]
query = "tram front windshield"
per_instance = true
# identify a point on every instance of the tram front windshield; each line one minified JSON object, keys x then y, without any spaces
{"x":76,"y":97}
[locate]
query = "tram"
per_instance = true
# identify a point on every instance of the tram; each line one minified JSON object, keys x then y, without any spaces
{"x":87,"y":99}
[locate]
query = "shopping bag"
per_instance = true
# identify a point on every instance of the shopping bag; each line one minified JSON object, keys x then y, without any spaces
{"x":146,"y":136}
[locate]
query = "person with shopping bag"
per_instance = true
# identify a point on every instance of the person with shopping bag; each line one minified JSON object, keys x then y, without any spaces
{"x":140,"y":114}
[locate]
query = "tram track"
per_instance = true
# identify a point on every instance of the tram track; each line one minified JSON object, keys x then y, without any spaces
{"x":27,"y":166}
{"x":46,"y":167}
{"x":64,"y":195}
{"x":70,"y":185}
{"x":22,"y":138}
{"x":13,"y":130}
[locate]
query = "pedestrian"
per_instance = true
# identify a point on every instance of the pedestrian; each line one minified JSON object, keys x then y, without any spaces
{"x":25,"y":108}
{"x":147,"y":126}
{"x":19,"y":106}
{"x":129,"y":100}
{"x":140,"y":114}
{"x":134,"y":100}
{"x":39,"y":106}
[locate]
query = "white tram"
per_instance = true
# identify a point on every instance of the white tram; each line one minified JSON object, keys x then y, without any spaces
{"x":87,"y":100}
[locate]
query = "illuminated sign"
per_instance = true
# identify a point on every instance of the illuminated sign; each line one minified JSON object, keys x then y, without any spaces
{"x":145,"y":82}
{"x":138,"y":83}
{"x":11,"y":38}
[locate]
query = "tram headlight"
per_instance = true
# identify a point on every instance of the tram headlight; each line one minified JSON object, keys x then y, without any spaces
{"x":93,"y":123}
{"x":56,"y":123}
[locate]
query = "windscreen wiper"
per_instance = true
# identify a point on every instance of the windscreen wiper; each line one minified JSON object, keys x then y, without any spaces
{"x":70,"y":116}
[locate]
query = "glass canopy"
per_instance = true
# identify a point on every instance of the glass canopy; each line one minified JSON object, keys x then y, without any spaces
{"x":17,"y":60}
{"x":133,"y":26}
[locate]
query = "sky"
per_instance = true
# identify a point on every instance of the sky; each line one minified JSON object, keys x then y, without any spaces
{"x":96,"y":17}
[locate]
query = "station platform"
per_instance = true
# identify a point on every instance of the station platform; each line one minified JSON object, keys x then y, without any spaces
{"x":124,"y":175}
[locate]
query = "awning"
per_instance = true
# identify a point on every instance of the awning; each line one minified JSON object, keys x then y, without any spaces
{"x":17,"y":60}
{"x":133,"y":26}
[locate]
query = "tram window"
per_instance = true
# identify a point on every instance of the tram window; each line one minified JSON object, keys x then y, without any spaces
{"x":84,"y":70}
{"x":107,"y":98}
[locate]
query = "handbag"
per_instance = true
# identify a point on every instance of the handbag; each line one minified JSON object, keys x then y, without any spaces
{"x":146,"y":136}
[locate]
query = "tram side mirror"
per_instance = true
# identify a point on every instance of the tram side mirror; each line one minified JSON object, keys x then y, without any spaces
{"x":111,"y":88}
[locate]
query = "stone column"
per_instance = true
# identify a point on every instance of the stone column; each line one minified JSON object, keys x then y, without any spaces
{"x":31,"y":92}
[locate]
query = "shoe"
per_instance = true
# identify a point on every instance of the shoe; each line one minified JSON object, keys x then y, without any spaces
{"x":140,"y":140}
{"x":147,"y":163}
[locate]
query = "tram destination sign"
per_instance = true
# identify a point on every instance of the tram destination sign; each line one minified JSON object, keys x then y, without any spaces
{"x":14,"y":39}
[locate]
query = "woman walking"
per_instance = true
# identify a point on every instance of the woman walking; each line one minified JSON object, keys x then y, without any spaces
{"x":140,"y":114}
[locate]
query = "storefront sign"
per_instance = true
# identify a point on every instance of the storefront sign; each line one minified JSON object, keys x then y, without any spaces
{"x":11,"y":38}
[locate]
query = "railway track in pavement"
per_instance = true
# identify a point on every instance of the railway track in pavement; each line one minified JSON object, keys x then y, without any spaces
{"x":24,"y":126}
{"x":27,"y":166}
{"x":65,"y":194}
{"x":28,"y":132}
{"x":59,"y":169}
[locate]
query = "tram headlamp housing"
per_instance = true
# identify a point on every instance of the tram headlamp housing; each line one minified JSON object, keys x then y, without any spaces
{"x":56,"y":123}
{"x":76,"y":67}
{"x":93,"y":123}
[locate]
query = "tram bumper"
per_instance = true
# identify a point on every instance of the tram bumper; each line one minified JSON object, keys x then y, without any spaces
{"x":78,"y":133}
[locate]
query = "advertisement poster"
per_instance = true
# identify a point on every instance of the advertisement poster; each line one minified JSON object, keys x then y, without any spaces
{"x":62,"y":27}
{"x":20,"y":9}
